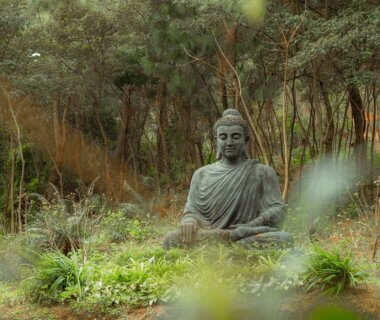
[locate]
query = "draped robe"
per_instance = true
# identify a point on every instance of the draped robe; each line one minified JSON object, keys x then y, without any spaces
{"x":222,"y":196}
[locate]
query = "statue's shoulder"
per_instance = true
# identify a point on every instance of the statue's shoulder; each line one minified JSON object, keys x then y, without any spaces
{"x":202,"y":170}
{"x":264,"y":168}
{"x":253,"y":162}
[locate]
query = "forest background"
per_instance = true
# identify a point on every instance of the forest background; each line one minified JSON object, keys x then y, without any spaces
{"x":119,"y":97}
{"x":130,"y":90}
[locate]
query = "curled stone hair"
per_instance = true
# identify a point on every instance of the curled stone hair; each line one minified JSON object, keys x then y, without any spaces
{"x":231,"y":117}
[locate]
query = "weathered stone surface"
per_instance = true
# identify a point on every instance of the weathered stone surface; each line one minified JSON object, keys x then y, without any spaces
{"x":234,"y":199}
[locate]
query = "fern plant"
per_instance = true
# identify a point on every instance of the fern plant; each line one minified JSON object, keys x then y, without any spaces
{"x":331,"y":271}
{"x":64,"y":224}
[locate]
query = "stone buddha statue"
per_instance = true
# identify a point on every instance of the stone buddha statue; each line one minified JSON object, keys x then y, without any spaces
{"x":235,"y":199}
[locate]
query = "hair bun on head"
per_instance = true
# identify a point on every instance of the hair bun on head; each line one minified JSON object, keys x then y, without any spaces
{"x":231,"y":117}
{"x":231,"y":113}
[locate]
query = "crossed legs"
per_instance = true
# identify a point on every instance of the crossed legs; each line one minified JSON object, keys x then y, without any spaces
{"x":245,"y":236}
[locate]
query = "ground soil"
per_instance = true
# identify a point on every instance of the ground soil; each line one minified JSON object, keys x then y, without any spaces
{"x":364,"y":301}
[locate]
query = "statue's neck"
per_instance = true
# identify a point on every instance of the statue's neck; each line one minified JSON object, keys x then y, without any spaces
{"x":232,"y":162}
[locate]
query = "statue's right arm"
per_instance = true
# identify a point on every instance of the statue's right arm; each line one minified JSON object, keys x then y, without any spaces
{"x":187,"y":231}
{"x":272,"y":211}
{"x":189,"y":222}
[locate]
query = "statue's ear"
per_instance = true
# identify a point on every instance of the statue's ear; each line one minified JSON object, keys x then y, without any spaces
{"x":245,"y":150}
{"x":218,"y":153}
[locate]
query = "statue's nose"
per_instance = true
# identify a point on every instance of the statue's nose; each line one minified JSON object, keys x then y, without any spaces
{"x":229,"y":141}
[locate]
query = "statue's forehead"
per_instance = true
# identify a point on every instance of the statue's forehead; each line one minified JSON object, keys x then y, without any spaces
{"x":230,"y":129}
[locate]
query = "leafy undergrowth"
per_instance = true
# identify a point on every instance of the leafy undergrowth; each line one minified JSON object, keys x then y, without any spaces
{"x":137,"y":275}
{"x":123,"y":267}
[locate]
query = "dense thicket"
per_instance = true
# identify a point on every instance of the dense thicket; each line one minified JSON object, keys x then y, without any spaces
{"x":128,"y":91}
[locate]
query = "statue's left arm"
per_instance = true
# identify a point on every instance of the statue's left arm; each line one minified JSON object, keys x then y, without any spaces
{"x":272,"y":209}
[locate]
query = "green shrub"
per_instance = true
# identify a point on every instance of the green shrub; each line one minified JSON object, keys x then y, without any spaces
{"x":331,"y":271}
{"x":119,"y":228}
{"x":58,"y":277}
{"x":140,"y":276}
{"x":64,"y":224}
{"x":139,"y":253}
{"x":140,"y":283}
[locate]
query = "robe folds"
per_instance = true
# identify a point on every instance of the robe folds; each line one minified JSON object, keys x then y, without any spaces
{"x":222,"y":196}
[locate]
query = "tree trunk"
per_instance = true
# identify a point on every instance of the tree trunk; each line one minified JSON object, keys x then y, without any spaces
{"x":230,"y":50}
{"x":373,"y":134}
{"x":318,"y":134}
{"x":272,"y":123}
{"x":294,"y":102}
{"x":12,"y":186}
{"x":222,"y":74}
{"x":60,"y":141}
{"x":330,"y":128}
{"x":6,"y":176}
{"x":21,"y":183}
{"x":284,"y":118}
{"x":341,"y":131}
{"x":357,"y":109}
{"x":125,"y":115}
{"x":162,"y":147}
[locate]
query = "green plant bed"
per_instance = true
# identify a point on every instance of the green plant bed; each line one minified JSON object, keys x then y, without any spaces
{"x":58,"y":277}
{"x":108,"y":277}
{"x":331,"y":271}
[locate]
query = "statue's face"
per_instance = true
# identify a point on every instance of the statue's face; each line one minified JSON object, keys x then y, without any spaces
{"x":231,"y":142}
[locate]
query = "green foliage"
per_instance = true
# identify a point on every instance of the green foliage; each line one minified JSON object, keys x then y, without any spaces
{"x":141,"y":276}
{"x":11,"y":294}
{"x":13,"y":257}
{"x":333,"y":313}
{"x":119,"y":227}
{"x":32,"y":182}
{"x":63,"y":223}
{"x":12,"y":22}
{"x":98,"y":58}
{"x":331,"y":271}
{"x":354,"y":24}
{"x":58,"y":277}
{"x":137,"y":274}
{"x":254,"y":9}
{"x":139,"y":283}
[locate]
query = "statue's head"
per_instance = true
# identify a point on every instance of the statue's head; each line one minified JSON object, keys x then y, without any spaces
{"x":231,"y":137}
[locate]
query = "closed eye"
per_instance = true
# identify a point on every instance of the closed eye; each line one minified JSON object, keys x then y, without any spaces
{"x":223,"y":136}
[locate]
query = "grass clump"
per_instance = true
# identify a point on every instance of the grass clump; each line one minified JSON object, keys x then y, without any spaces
{"x":139,"y":276}
{"x":58,"y":277}
{"x":331,"y":271}
{"x":139,"y":283}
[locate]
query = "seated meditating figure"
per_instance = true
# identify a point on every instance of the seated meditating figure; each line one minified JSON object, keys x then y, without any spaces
{"x":235,"y":199}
